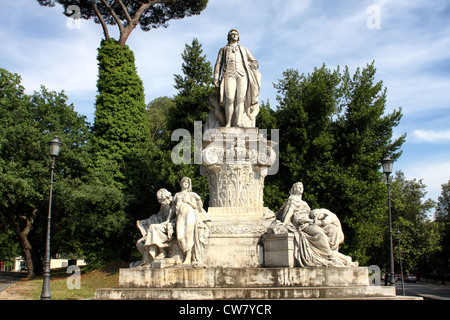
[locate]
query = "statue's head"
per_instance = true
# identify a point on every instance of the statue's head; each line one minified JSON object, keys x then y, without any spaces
{"x":233,"y":34}
{"x":186,"y":184}
{"x":317,"y":214}
{"x":164,"y":196}
{"x":297,"y":188}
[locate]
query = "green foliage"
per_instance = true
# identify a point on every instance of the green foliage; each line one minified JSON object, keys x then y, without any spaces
{"x":120,"y":127}
{"x":194,"y":87}
{"x":333,"y":134}
{"x":94,"y":222}
{"x":419,"y":236}
{"x":441,"y":257}
{"x":29,"y":123}
{"x":157,"y":116}
{"x":189,"y":105}
{"x":153,"y":17}
{"x":443,"y":206}
{"x":127,"y":14}
{"x":120,"y":150}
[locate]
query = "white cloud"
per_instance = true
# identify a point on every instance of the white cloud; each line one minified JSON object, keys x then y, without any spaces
{"x":431,"y":136}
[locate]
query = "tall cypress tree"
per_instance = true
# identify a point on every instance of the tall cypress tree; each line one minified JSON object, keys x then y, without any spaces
{"x":120,"y":127}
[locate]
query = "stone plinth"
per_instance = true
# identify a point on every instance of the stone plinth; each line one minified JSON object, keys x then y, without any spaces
{"x":179,"y":277}
{"x":329,"y":293}
{"x":246,"y":283}
{"x":235,"y":238}
{"x":279,"y":250}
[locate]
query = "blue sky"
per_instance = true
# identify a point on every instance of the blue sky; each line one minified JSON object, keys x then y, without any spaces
{"x":409,"y":40}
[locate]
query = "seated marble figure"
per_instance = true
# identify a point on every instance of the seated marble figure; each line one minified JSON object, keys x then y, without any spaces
{"x":317,"y":233}
{"x":179,"y":230}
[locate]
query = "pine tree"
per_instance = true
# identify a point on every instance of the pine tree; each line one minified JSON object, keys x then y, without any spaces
{"x":189,"y":105}
{"x":194,"y":87}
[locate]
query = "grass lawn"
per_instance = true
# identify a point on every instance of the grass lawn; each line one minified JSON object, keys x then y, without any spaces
{"x":105,"y":277}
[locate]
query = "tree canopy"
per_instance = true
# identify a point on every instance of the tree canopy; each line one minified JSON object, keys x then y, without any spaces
{"x":333,"y":134}
{"x":29,"y":123}
{"x":128,"y":14}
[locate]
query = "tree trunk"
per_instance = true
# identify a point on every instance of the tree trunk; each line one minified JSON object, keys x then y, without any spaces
{"x":125,"y":33}
{"x":102,"y":21}
{"x":23,"y":238}
{"x":26,"y":246}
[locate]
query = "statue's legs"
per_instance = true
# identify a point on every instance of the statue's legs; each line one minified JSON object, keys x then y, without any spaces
{"x":185,"y":230}
{"x":146,"y":258}
{"x":235,"y":91}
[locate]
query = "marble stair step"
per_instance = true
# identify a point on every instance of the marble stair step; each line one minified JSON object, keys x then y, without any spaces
{"x":350,"y":292}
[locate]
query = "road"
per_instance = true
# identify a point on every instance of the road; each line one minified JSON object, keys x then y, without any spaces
{"x":8,"y":278}
{"x":426,"y":290}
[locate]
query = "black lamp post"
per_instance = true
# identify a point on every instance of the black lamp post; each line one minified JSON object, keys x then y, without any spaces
{"x":55,"y":145}
{"x":387,"y":164}
{"x":399,"y":236}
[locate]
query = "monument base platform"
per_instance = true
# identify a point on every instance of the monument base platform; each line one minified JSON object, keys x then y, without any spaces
{"x":245,"y":283}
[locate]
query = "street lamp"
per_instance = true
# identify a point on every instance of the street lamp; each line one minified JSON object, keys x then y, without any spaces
{"x":399,"y":236}
{"x":387,"y":164}
{"x":55,"y":145}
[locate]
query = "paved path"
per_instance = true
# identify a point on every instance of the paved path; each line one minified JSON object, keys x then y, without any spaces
{"x":425,"y":290}
{"x":7,"y":278}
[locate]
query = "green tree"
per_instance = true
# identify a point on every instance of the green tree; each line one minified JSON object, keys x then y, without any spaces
{"x":190,"y":104}
{"x":333,"y":134}
{"x":120,"y":145}
{"x":194,"y":87}
{"x":94,"y":221}
{"x":364,"y":135}
{"x":441,"y":260}
{"x":157,"y":116}
{"x":304,"y":115}
{"x":419,"y":235}
{"x":120,"y":132}
{"x":443,"y":206}
{"x":128,"y":14}
{"x":28,"y":124}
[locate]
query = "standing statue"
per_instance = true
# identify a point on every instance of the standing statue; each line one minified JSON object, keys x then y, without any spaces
{"x":192,"y":223}
{"x":237,"y":82}
{"x":317,"y":233}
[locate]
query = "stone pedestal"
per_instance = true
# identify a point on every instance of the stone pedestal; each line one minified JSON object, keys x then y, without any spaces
{"x":235,"y":238}
{"x":235,"y":162}
{"x":279,"y":250}
{"x":246,"y":283}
